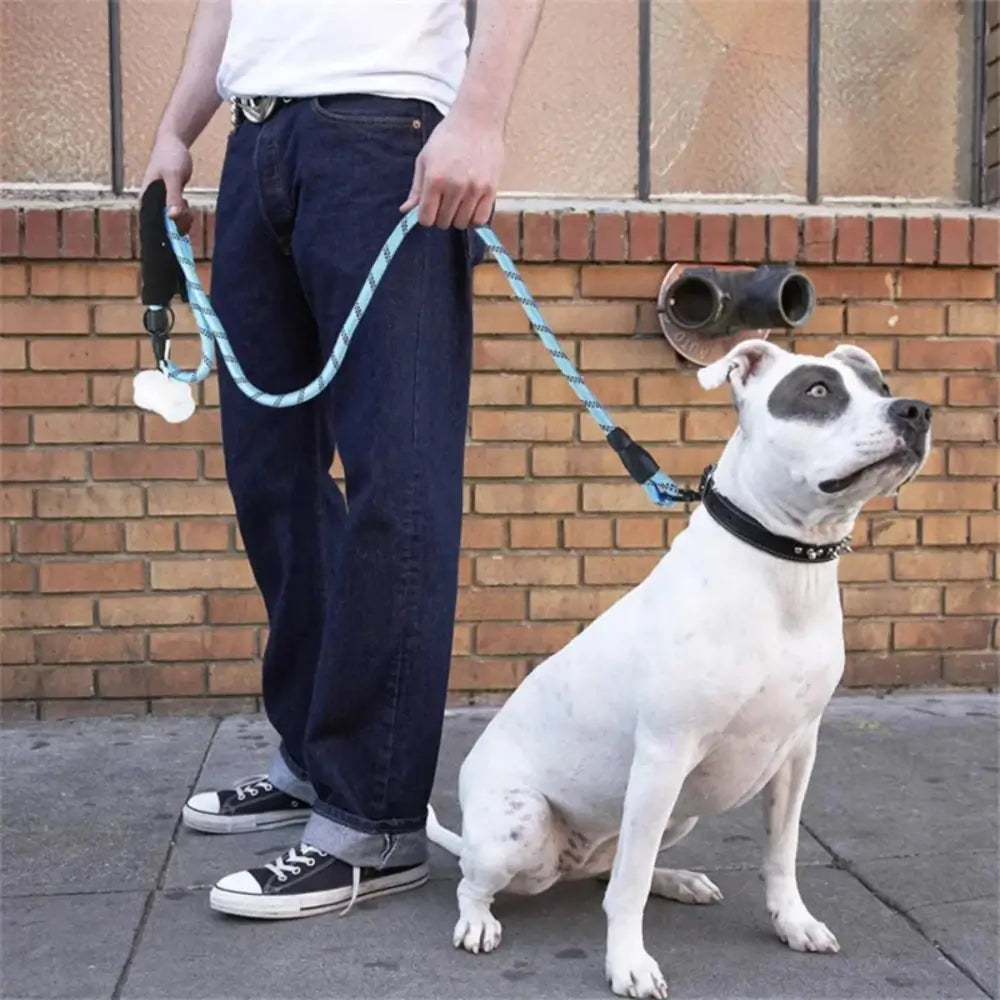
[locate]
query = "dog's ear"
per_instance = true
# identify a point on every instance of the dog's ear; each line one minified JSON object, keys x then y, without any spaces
{"x":852,"y":355}
{"x":737,"y":367}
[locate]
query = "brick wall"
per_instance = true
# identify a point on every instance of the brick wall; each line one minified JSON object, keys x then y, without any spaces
{"x":124,"y":584}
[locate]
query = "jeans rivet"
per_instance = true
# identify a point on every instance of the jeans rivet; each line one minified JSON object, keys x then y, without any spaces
{"x":416,"y":123}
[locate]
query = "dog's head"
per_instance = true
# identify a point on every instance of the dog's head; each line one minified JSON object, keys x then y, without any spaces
{"x":826,"y":430}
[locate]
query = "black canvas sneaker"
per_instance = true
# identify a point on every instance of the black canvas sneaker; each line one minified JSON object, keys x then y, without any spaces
{"x":253,"y":804}
{"x":304,"y":882}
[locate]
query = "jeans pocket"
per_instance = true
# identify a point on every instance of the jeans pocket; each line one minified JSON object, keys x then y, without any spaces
{"x":369,"y":112}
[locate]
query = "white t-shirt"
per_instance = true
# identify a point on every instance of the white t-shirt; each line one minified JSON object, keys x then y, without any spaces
{"x":304,"y":48}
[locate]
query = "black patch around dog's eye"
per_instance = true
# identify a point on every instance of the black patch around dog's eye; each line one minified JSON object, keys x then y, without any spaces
{"x":871,"y":377}
{"x":791,"y":398}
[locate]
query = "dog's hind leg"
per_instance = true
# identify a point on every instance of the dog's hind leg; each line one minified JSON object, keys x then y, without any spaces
{"x":509,"y":839}
{"x":678,"y":884}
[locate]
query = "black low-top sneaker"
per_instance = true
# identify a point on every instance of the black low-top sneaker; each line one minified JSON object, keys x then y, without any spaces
{"x":304,"y":882}
{"x":253,"y":804}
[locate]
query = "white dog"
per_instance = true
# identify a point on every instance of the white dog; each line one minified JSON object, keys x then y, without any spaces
{"x":705,"y":684}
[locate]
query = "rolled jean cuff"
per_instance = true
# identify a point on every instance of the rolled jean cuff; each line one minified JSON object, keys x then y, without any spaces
{"x":287,"y":777}
{"x":365,"y":850}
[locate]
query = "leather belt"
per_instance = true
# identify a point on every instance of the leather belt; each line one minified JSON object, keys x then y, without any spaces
{"x":255,"y":109}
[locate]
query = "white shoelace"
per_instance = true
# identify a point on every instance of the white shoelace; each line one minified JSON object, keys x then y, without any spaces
{"x":252,"y":787}
{"x":291,"y":862}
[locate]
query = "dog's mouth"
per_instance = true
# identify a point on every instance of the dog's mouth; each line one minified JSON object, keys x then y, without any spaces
{"x":902,"y":456}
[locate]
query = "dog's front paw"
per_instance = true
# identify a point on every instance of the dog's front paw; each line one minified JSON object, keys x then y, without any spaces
{"x":477,"y":932}
{"x":801,"y":931}
{"x":635,"y":975}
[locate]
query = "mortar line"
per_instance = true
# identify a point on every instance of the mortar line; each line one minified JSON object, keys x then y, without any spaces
{"x":846,"y":865}
{"x":161,"y":875}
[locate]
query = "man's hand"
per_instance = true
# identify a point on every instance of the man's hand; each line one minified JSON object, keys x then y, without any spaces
{"x":457,"y":173}
{"x":170,"y":161}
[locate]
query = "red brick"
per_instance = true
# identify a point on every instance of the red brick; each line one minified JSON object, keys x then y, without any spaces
{"x":10,"y":232}
{"x":944,"y":529}
{"x":85,"y":280}
{"x":234,"y":678}
{"x":891,"y":599}
{"x":236,"y":609}
{"x":947,"y":495}
{"x":13,"y":280}
{"x":486,"y":674}
{"x":16,"y":647}
{"x":948,"y":283}
{"x":640,"y":532}
{"x":201,"y":428}
{"x":91,"y":577}
{"x":203,"y":644}
{"x":680,"y":236}
{"x":91,"y":647}
{"x":544,"y":280}
{"x":715,"y":238}
{"x":964,"y":425}
{"x":534,"y":533}
{"x":576,"y":604}
{"x":984,"y":529}
{"x":46,"y":612}
{"x":492,"y":604}
{"x":34,"y":317}
{"x":974,"y":319}
{"x":973,"y":390}
{"x":587,"y":533}
{"x":526,"y":498}
{"x":974,"y":462}
{"x":817,"y":238}
{"x":85,"y":427}
{"x":898,"y":320}
{"x":947,"y":355}
{"x":17,"y":578}
{"x":89,"y":501}
{"x":954,"y":241}
{"x":495,"y":461}
{"x":985,"y":242}
{"x":43,"y":390}
{"x":144,"y":463}
{"x":204,"y":534}
{"x":942,"y":564}
{"x":751,"y":238}
{"x":783,"y":238}
{"x":574,"y":236}
{"x":539,"y":236}
{"x":920,"y":240}
{"x":42,"y":465}
{"x":41,"y":536}
{"x":976,"y":599}
{"x":196,"y":234}
{"x":609,"y":236}
{"x":41,"y":232}
{"x":618,"y":568}
{"x":152,"y":682}
{"x":78,"y":230}
{"x":852,"y":239}
{"x":943,"y":633}
{"x":159,"y":609}
{"x":645,"y":236}
{"x":82,"y":354}
{"x":887,"y":240}
{"x":95,"y":536}
{"x":978,"y":668}
{"x":892,"y":669}
{"x":150,"y":536}
{"x":507,"y":226}
{"x":114,"y":233}
{"x":16,"y":501}
{"x":522,"y":637}
{"x":201,"y":574}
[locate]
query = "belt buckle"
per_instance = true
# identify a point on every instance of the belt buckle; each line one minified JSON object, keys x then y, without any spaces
{"x":256,"y":109}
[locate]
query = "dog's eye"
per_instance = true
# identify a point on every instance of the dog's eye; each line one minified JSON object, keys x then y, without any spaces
{"x":886,"y":391}
{"x":817,"y":390}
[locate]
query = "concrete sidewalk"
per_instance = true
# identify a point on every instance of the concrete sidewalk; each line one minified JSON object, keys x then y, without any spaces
{"x":104,"y":896}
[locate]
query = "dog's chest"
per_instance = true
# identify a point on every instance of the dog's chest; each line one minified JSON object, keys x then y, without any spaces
{"x":757,"y":736}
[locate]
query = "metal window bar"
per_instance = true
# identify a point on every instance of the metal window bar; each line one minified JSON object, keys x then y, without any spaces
{"x":812,"y":103}
{"x":980,"y":30}
{"x":643,"y":178}
{"x":115,"y":92}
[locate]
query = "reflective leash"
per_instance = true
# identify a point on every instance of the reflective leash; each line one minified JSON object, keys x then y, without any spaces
{"x":640,"y":465}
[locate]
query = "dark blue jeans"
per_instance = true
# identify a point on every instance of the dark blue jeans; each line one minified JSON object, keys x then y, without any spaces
{"x":360,"y":589}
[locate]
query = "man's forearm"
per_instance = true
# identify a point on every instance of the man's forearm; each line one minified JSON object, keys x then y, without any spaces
{"x":195,"y":98}
{"x":503,"y":35}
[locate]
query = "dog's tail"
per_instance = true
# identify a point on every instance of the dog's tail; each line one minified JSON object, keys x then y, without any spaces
{"x":437,"y":834}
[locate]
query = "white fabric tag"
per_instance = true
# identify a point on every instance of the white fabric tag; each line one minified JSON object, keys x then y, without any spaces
{"x":172,"y":400}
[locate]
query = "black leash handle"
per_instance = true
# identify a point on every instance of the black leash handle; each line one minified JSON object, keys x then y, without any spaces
{"x":160,"y":271}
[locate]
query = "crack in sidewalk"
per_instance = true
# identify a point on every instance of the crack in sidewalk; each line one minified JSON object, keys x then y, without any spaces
{"x":161,"y":875}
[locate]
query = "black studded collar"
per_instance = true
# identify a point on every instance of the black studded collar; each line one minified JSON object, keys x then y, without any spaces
{"x":751,"y":531}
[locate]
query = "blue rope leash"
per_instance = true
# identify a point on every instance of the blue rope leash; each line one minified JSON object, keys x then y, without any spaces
{"x":660,"y":488}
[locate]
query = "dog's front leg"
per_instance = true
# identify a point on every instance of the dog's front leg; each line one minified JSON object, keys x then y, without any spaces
{"x":654,"y":783}
{"x":783,"y":799}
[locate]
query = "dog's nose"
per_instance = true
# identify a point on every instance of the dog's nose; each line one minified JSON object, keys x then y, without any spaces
{"x":910,"y":415}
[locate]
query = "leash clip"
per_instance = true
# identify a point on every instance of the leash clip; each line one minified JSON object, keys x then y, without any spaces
{"x":158,"y":321}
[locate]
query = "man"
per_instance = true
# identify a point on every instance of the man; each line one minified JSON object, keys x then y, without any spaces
{"x":385,"y":112}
